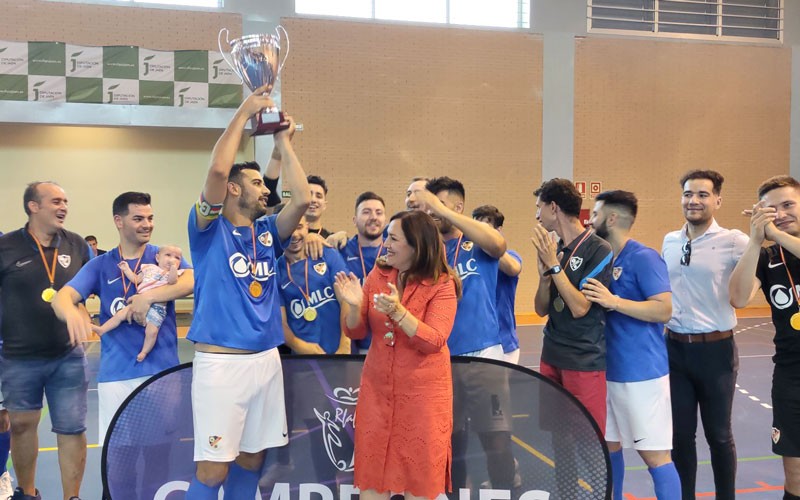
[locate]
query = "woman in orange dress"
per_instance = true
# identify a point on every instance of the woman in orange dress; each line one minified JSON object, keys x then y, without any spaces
{"x":404,"y":416}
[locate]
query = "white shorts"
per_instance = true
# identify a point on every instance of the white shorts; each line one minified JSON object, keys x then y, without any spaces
{"x":237,"y":404}
{"x":640,"y":414}
{"x":512,"y":357}
{"x":110,"y":396}
{"x":492,"y":352}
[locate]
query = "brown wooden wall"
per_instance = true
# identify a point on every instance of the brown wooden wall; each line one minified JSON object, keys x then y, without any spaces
{"x":384,"y":103}
{"x":99,"y":25}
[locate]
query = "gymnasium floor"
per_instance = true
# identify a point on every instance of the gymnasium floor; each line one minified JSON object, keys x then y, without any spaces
{"x":760,"y":474}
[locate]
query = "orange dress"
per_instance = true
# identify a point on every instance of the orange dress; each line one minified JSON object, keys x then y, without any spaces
{"x":404,"y":415}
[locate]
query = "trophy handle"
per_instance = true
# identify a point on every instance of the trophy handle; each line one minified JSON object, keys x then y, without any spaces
{"x":286,"y":35}
{"x":222,"y":52}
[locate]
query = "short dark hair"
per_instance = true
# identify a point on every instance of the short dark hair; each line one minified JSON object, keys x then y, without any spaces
{"x":491,"y":212}
{"x":417,"y":179}
{"x":779,"y":181}
{"x":711,"y":175}
{"x":89,"y":238}
{"x":32,"y":194}
{"x":368,"y":195}
{"x":564,"y":193}
{"x":452,"y":186}
{"x":235,"y":174}
{"x":122,"y":202}
{"x":619,"y":198}
{"x":319,"y":181}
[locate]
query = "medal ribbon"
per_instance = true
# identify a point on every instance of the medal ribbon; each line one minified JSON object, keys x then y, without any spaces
{"x":51,"y":270}
{"x":458,"y":247}
{"x":306,"y":293}
{"x":254,"y":262}
{"x":791,"y":281}
{"x":361,"y":256}
{"x":125,"y":284}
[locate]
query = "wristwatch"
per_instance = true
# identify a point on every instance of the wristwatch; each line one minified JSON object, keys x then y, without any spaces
{"x":553,"y":270}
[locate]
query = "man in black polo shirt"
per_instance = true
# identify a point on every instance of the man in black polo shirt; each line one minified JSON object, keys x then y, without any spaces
{"x":776,"y":270}
{"x":39,"y":357}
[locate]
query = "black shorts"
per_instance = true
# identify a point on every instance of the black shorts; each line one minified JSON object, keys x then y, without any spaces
{"x":481,"y":395}
{"x":786,"y":427}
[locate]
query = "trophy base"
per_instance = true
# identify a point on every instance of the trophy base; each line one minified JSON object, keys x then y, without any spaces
{"x":268,"y":123}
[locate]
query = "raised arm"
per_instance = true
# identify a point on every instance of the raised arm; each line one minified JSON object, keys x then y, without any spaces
{"x":224,"y":155}
{"x":292,"y":174}
{"x":744,"y":284}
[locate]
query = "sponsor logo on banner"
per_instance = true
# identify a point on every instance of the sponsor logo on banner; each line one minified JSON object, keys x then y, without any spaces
{"x":337,"y":422}
{"x":156,"y":65}
{"x":191,"y":95}
{"x":47,"y":88}
{"x":84,"y":61}
{"x":13,"y":58}
{"x":219,"y":71}
{"x":116,"y":91}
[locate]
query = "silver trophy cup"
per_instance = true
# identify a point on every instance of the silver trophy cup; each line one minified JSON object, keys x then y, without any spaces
{"x":256,"y":60}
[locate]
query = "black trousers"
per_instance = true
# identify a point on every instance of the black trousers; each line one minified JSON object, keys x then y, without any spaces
{"x":703,"y":375}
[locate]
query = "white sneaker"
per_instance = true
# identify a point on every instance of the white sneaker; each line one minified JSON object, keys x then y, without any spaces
{"x":6,"y":490}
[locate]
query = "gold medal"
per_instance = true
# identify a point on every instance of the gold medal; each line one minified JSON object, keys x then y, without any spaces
{"x":49,"y":293}
{"x":310,"y":314}
{"x":558,"y":304}
{"x":255,"y":289}
{"x":795,"y":321}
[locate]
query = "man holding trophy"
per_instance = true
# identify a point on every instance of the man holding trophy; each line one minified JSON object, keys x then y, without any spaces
{"x":237,"y":380}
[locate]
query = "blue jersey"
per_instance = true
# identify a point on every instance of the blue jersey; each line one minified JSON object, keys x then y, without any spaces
{"x":506,"y":293}
{"x":226,"y":313}
{"x":357,"y":263}
{"x":635,"y":349}
{"x":476,"y":326}
{"x":119,"y":347}
{"x":326,"y":329}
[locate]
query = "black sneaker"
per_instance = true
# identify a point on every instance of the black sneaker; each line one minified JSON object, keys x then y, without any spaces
{"x":19,"y":494}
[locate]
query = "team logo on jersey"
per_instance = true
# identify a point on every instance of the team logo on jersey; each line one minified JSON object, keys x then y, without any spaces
{"x":265,"y":238}
{"x":780,"y":296}
{"x":575,"y":263}
{"x":776,"y":435}
{"x":241,"y":267}
{"x":466,"y":245}
{"x":616,"y":273}
{"x":116,"y":305}
{"x":64,"y":260}
{"x":213,"y":441}
{"x":321,"y":268}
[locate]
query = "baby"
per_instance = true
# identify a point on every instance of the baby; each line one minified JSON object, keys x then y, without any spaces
{"x":150,"y":276}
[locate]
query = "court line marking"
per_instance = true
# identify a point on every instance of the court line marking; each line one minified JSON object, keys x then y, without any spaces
{"x":544,"y":458}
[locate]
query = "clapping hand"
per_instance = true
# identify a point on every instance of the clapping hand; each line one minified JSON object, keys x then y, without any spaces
{"x":348,"y":287}
{"x":387,"y":303}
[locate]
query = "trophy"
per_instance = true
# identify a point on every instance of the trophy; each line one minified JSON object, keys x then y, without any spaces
{"x":256,"y":60}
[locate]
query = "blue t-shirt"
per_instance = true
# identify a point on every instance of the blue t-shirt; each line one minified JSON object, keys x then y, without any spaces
{"x":476,"y":326}
{"x":506,"y":293}
{"x":119,"y":347}
{"x":225,"y":312}
{"x":635,"y":349}
{"x":353,"y":261}
{"x":326,"y":329}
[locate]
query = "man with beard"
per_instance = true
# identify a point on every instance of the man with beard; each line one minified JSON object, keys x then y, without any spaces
{"x":703,"y":360}
{"x":363,"y":249}
{"x":237,"y":383}
{"x":473,"y":250}
{"x":40,"y":356}
{"x":120,"y":373}
{"x":776,"y":270}
{"x":638,"y":302}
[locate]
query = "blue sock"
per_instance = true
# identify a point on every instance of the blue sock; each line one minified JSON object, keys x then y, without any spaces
{"x":617,"y":473}
{"x":5,"y":447}
{"x":240,"y":483}
{"x":666,"y":481}
{"x":199,"y":491}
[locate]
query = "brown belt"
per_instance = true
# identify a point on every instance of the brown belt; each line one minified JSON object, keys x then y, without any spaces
{"x":696,"y":338}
